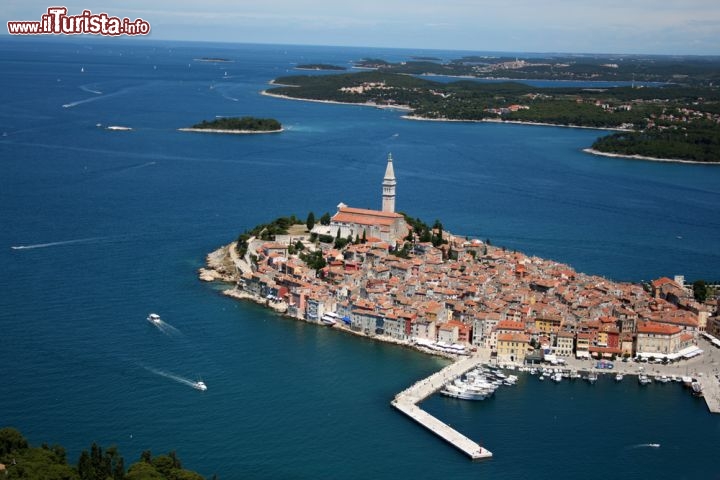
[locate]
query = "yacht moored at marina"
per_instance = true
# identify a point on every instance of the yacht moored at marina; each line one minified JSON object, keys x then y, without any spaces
{"x":466,"y":392}
{"x":619,"y":377}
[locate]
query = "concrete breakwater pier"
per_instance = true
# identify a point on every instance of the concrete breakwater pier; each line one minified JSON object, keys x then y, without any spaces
{"x":711,"y":393}
{"x":407,"y":400}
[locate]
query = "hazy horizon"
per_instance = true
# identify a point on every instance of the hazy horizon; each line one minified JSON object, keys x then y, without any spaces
{"x":631,"y":27}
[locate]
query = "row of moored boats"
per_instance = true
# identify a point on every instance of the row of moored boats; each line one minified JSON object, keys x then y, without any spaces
{"x":478,"y":384}
{"x":481,"y":382}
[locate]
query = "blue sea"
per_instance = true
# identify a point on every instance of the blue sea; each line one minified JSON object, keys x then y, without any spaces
{"x":113,"y":225}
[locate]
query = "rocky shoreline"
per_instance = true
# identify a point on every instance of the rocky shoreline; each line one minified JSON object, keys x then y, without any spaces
{"x":234,"y":132}
{"x":642,"y":157}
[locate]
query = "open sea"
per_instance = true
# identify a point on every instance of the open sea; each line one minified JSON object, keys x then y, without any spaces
{"x":113,"y":225}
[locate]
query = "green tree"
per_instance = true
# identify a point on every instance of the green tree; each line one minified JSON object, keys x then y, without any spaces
{"x":325,"y":219}
{"x":437,"y":239}
{"x":146,"y":456}
{"x":143,"y":471}
{"x":310,"y":222}
{"x":314,"y":260}
{"x":700,"y":290}
{"x":11,"y":440}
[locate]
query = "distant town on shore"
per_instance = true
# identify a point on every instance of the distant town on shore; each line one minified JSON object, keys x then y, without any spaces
{"x":667,"y":108}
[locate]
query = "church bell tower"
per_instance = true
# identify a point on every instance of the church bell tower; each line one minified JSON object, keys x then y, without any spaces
{"x":388,"y":184}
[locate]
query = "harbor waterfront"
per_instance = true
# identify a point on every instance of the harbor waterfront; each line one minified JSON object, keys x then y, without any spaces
{"x":113,"y":225}
{"x":407,"y":400}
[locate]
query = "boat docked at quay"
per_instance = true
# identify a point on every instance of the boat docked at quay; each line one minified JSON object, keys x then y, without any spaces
{"x":644,"y":379}
{"x":619,"y":377}
{"x":477,"y":384}
{"x":330,"y":318}
{"x":464,"y":392}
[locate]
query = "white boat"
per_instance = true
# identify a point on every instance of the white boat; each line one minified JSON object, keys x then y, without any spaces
{"x":463,"y":392}
{"x":330,"y":318}
{"x":557,"y":377}
{"x":619,"y":377}
{"x":696,"y":389}
{"x":644,"y":379}
{"x":476,"y":381}
{"x":154,"y":318}
{"x":592,"y":377}
{"x":200,"y":385}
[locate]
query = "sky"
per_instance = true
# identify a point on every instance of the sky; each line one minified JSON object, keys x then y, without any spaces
{"x":677,"y":27}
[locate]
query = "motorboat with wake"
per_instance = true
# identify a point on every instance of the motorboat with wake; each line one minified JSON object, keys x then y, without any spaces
{"x":200,"y":385}
{"x":154,"y":318}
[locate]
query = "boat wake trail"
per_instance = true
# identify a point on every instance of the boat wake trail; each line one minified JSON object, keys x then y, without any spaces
{"x":86,"y":88}
{"x":171,"y":376}
{"x":80,"y":102}
{"x":147,"y":164}
{"x":166,"y":328}
{"x":54,"y":244}
{"x":646,"y":445}
{"x":99,"y":96}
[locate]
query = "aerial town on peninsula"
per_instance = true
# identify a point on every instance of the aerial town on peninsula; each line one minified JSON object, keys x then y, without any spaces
{"x":458,"y":295}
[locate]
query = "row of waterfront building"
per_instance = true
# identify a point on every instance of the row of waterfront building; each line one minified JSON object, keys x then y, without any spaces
{"x":467,"y":292}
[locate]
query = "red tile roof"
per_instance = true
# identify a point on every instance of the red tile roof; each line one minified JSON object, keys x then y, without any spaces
{"x":513,"y":337}
{"x":362,"y":216}
{"x":657,"y":328}
{"x":510,"y":325}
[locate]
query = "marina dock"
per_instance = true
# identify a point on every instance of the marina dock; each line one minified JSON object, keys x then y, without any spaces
{"x":711,"y":393}
{"x":407,"y":400}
